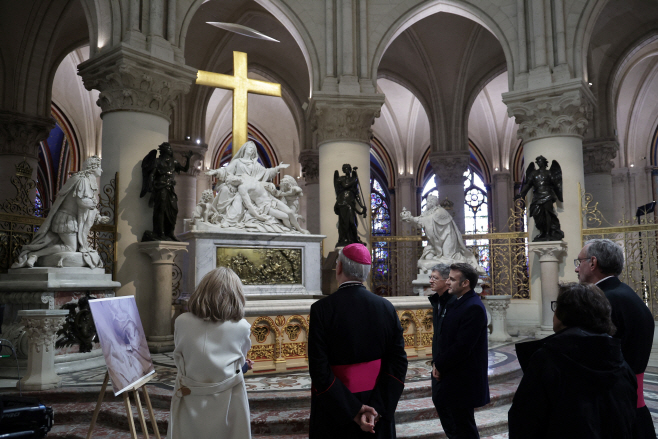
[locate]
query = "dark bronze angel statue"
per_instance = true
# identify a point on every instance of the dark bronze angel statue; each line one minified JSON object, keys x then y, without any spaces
{"x":158,"y":179}
{"x":349,"y":203}
{"x":547,"y":185}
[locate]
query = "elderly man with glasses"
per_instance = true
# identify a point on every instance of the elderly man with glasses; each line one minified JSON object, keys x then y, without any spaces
{"x":600,"y":262}
{"x":440,"y":301}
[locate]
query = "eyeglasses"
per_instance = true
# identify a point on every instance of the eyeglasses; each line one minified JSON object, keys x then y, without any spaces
{"x":553,"y":305}
{"x":435,"y":278}
{"x":577,"y":261}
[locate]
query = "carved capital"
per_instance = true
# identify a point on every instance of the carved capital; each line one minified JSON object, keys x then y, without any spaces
{"x":335,"y":118}
{"x":20,"y":134}
{"x":162,"y":252}
{"x":41,"y":327}
{"x":450,"y":167}
{"x":549,"y":251}
{"x":498,"y":306}
{"x":560,"y":110}
{"x":130,"y":80}
{"x":310,"y":161}
{"x":598,"y":156}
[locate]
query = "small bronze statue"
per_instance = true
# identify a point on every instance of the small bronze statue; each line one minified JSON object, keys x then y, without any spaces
{"x":158,"y":179}
{"x":547,"y":185}
{"x":349,"y":203}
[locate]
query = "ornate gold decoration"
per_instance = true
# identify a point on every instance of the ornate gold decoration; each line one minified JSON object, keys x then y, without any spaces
{"x":590,"y":210}
{"x":22,"y":203}
{"x":294,"y":349}
{"x":410,"y":340}
{"x":258,"y":266}
{"x":426,"y":338}
{"x":23,"y":169}
{"x":293,"y":331}
{"x":280,"y":320}
{"x":261,"y":352}
{"x":241,"y":85}
{"x":260,"y":332}
{"x":427,"y":322}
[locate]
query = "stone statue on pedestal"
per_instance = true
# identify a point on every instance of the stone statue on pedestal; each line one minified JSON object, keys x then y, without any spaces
{"x":349,"y":204}
{"x":444,"y":241}
{"x":547,"y":185}
{"x":247,"y":200}
{"x":158,"y":179}
{"x":62,"y":239}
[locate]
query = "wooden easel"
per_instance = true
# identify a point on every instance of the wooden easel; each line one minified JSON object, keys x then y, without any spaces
{"x":129,"y":412}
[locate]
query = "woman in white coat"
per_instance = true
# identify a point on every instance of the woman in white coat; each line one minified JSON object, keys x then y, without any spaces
{"x":212,"y":341}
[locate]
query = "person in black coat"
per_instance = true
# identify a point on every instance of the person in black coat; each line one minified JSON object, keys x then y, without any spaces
{"x":461,"y":363}
{"x":440,"y":301}
{"x":575,"y":383}
{"x":356,"y":355}
{"x":600,"y":262}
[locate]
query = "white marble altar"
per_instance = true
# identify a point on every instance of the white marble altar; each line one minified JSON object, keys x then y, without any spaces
{"x":202,"y":257}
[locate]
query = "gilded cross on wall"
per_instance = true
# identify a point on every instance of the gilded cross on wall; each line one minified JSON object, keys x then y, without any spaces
{"x":241,"y":86}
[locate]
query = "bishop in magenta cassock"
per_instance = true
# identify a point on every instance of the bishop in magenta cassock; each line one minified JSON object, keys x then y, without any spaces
{"x":356,"y":356}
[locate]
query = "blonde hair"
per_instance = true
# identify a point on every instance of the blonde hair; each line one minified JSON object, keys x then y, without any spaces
{"x":219,"y":297}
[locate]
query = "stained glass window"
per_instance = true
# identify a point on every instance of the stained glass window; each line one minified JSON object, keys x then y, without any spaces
{"x":476,"y":209}
{"x":380,"y":209}
{"x":380,"y":216}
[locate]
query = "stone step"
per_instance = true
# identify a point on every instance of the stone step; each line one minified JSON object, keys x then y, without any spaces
{"x":490,"y":422}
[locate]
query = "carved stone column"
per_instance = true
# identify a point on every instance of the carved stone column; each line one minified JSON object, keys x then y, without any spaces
{"x":137,"y":94}
{"x":498,"y":308}
{"x":597,"y":160}
{"x":20,"y":135}
{"x":186,"y":182}
{"x":501,"y":203}
{"x":41,"y":326}
{"x":406,"y":197}
{"x":310,"y":161}
{"x":549,"y":254}
{"x":449,"y":168}
{"x":552,"y":121}
{"x":159,"y":334}
{"x":343,"y":128}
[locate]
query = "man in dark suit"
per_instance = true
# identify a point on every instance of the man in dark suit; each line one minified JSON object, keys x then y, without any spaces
{"x":440,"y":301}
{"x":600,"y":262}
{"x":461,"y":364}
{"x":356,"y":356}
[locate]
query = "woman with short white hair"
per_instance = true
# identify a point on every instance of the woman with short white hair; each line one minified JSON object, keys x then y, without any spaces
{"x":212,"y":341}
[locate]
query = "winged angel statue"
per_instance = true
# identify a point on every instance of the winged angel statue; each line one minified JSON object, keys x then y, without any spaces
{"x":547,"y":185}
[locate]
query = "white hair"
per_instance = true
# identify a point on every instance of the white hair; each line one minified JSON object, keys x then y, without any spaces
{"x":353,"y":270}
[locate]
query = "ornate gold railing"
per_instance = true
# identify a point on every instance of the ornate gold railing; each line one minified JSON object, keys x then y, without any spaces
{"x":503,"y":255}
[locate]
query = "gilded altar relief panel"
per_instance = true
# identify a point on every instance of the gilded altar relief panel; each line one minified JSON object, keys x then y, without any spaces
{"x":263,"y":266}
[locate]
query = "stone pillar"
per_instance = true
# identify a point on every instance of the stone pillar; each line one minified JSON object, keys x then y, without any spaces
{"x":449,"y":168}
{"x":186,"y":182}
{"x":498,"y":308}
{"x":552,"y":121}
{"x":41,"y":326}
{"x":310,"y":161}
{"x":343,"y":130}
{"x":160,"y":336}
{"x":137,"y":94}
{"x":20,"y":135}
{"x":501,"y":203}
{"x":619,"y":179}
{"x":549,"y":254}
{"x":406,"y":197}
{"x":597,"y":160}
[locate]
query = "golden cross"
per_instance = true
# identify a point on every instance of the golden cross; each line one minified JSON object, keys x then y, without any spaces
{"x":241,"y":85}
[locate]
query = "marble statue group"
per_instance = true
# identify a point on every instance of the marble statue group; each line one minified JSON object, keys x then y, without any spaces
{"x":247,"y":200}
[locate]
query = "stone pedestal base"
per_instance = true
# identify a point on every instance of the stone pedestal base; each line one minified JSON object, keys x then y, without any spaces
{"x":41,"y":328}
{"x":56,"y":279}
{"x":498,"y":308}
{"x":159,"y":335}
{"x":550,"y":253}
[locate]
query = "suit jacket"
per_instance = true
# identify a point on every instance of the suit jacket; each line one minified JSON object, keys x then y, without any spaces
{"x":354,"y":326}
{"x":439,"y":310}
{"x":462,"y":361}
{"x":634,"y":322}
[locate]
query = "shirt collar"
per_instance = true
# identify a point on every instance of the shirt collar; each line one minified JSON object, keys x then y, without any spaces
{"x":349,"y":283}
{"x":603,"y":280}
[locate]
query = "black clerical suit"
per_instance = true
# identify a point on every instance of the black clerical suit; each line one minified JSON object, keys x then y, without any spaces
{"x":462,"y":362}
{"x":635,"y":327}
{"x":350,"y":328}
{"x":439,"y":308}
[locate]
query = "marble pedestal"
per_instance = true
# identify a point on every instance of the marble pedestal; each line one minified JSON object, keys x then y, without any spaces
{"x":41,"y":328}
{"x":549,"y":253}
{"x":497,"y":306}
{"x":159,"y":335}
{"x":49,"y":288}
{"x":202,"y":258}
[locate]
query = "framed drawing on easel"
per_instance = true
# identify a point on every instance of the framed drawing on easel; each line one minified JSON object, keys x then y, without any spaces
{"x":127,"y":357}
